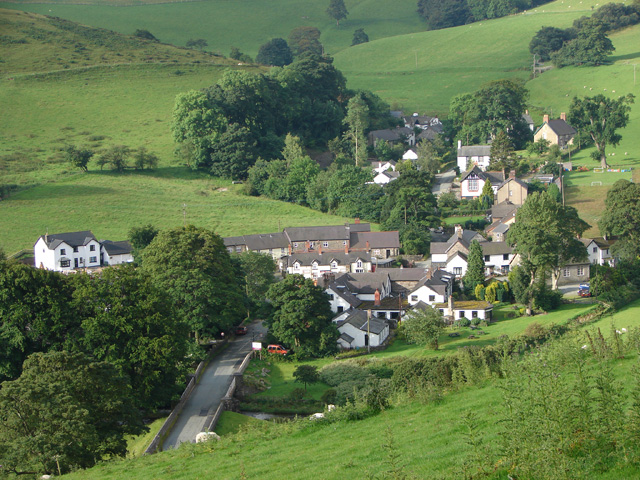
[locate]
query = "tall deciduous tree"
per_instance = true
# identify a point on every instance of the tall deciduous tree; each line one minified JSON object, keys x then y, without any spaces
{"x":301,"y":316}
{"x":423,"y":327}
{"x":192,"y":266}
{"x":357,"y":121}
{"x":144,"y":159}
{"x":275,"y":52}
{"x":131,"y":324}
{"x":258,"y":270}
{"x":545,"y":235}
{"x":198,"y":43}
{"x":621,"y":217}
{"x":337,"y":10}
{"x":306,"y":374}
{"x":600,"y":117}
{"x":66,"y":411}
{"x":305,"y":40}
{"x":475,"y":267}
{"x":502,"y":154}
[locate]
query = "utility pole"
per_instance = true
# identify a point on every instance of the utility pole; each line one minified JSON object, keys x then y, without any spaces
{"x":184,"y":214}
{"x":534,"y":65}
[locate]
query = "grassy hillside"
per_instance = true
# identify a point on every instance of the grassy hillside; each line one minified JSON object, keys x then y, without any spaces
{"x":110,"y":204}
{"x":246,"y":24}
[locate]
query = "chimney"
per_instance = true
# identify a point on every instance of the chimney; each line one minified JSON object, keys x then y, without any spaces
{"x":512,"y":174}
{"x":458,"y":230}
{"x":367,"y":245}
{"x":356,"y":221}
{"x":315,"y":281}
{"x":526,"y":112}
{"x":459,"y":143}
{"x":545,"y":118}
{"x":319,"y":249}
{"x":289,"y":249}
{"x":346,"y":247}
{"x":306,"y":246}
{"x":376,"y":297}
{"x":563,"y":116}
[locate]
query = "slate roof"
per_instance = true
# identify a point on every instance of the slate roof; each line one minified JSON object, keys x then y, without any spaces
{"x":475,"y":151}
{"x":73,"y":239}
{"x":266,"y":241}
{"x":117,"y":248}
{"x":498,"y":227}
{"x":342,"y":258}
{"x":345,"y":294}
{"x":387,"y":135}
{"x":437,"y":282}
{"x":390,"y":174}
{"x":404,"y":274}
{"x":495,"y":248}
{"x":527,"y":119}
{"x":560,"y":127}
{"x":346,"y":338}
{"x":502,"y":210}
{"x":233,"y":241}
{"x":330,"y":232}
{"x":601,"y":242}
{"x":496,"y":178}
{"x":430,"y":133}
{"x":366,"y":282}
{"x":515,"y":180}
{"x":358,"y":319}
{"x":391,"y":239}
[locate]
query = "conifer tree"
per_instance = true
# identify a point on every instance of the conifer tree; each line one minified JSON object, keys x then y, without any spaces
{"x":475,"y":267}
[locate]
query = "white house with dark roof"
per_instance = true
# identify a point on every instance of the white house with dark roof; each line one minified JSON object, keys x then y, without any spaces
{"x":385,"y":177}
{"x":434,"y":288}
{"x":472,"y":182}
{"x":318,"y":265}
{"x":471,"y":155}
{"x":359,"y":330}
{"x":379,"y":166}
{"x":65,"y":252}
{"x":599,"y":250}
{"x":116,"y":253}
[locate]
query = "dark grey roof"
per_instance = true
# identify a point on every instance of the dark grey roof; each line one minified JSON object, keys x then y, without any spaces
{"x":121,"y":247}
{"x":266,"y":241}
{"x":387,"y":135}
{"x":345,"y":294}
{"x":359,"y":320}
{"x":346,"y":338}
{"x":437,"y":282}
{"x":527,"y":119}
{"x":430,"y":133}
{"x":560,"y":127}
{"x":326,"y":258}
{"x":329,"y":232}
{"x":390,"y":239}
{"x":367,"y":282}
{"x":439,"y":247}
{"x":515,"y":180}
{"x":501,"y":228}
{"x":475,"y":151}
{"x":495,"y":248}
{"x":233,"y":241}
{"x":404,"y":274}
{"x":396,"y":113}
{"x":421,"y":306}
{"x":496,"y":178}
{"x":391,"y":173}
{"x":73,"y":239}
{"x":502,"y":210}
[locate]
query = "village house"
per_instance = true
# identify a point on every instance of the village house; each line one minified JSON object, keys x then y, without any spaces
{"x":317,"y":265}
{"x":512,"y":190}
{"x":434,"y":288}
{"x":599,"y":250}
{"x":331,"y":238}
{"x":422,"y":122}
{"x":557,"y":132}
{"x":392,"y":136}
{"x":528,"y":120}
{"x":454,"y":311}
{"x":274,"y":244}
{"x":67,"y":252}
{"x":473,"y":155}
{"x":381,"y":245}
{"x":410,"y":155}
{"x":472,"y":182}
{"x":360,"y":330}
{"x":385,"y":177}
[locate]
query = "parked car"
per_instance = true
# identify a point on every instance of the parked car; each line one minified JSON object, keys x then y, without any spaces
{"x":241,"y":330}
{"x":279,"y":349}
{"x":584,"y":290}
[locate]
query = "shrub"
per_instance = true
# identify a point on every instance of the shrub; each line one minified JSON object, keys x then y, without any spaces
{"x":297,"y":394}
{"x":464,"y":322}
{"x":329,"y":396}
{"x":338,"y":373}
{"x":535,"y":332}
{"x":476,"y":321}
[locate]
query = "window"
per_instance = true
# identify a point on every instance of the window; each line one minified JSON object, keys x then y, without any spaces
{"x":344,"y":243}
{"x":359,"y":263}
{"x":296,"y":266}
{"x":314,"y":265}
{"x":432,"y":298}
{"x":461,"y":314}
{"x":65,"y":263}
{"x":63,"y":251}
{"x":566,"y":272}
{"x":295,"y":244}
{"x":441,"y":310}
{"x":474,"y":314}
{"x":310,"y":244}
{"x":92,"y":248}
{"x":606,"y":251}
{"x":505,"y":269}
{"x":271,"y":250}
{"x":376,"y":251}
{"x":325,"y":244}
{"x":359,"y":270}
{"x":334,"y":264}
{"x":340,"y":308}
{"x":282,"y":251}
{"x":487,"y":258}
{"x":75,"y":249}
{"x":511,"y":193}
{"x":93,"y":259}
{"x":473,"y":185}
{"x":457,"y":270}
{"x":238,"y":248}
{"x":580,"y":271}
{"x":595,"y":249}
{"x":414,"y":298}
{"x":505,"y":256}
{"x":331,"y":296}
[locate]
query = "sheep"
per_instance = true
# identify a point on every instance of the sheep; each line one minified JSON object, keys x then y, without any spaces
{"x":331,"y":408}
{"x":584,"y":347}
{"x":206,"y":436}
{"x":624,"y":330}
{"x":316,"y":416}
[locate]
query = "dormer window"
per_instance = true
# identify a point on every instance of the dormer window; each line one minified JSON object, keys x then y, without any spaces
{"x":334,"y":264}
{"x":295,"y":244}
{"x":325,"y":244}
{"x":296,"y":265}
{"x":359,"y":263}
{"x":314,"y":265}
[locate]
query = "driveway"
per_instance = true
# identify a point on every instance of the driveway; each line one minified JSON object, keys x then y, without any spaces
{"x":213,"y":385}
{"x":442,"y":182}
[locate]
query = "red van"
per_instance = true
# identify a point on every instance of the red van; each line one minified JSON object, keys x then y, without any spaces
{"x":279,"y":349}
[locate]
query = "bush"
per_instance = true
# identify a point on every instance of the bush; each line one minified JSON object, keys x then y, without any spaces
{"x":535,"y":332}
{"x":339,"y":373}
{"x":329,"y":396}
{"x":475,"y":321}
{"x":546,"y":299}
{"x":297,"y":394}
{"x":464,"y":322}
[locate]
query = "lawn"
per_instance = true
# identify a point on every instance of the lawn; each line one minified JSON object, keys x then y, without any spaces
{"x":462,"y":220}
{"x":231,"y":422}
{"x":137,"y":445}
{"x":110,"y":204}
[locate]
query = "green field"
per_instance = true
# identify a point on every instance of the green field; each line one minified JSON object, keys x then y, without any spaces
{"x":246,"y":24}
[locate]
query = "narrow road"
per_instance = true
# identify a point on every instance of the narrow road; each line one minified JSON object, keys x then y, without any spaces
{"x":213,"y":385}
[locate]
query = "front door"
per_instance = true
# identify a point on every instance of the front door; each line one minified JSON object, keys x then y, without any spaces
{"x":75,"y":262}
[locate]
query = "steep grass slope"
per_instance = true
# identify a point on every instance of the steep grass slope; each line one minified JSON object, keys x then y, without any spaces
{"x":246,"y":24}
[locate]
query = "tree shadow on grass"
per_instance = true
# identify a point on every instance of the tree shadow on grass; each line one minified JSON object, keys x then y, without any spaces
{"x":629,"y":56}
{"x":176,"y":172}
{"x":53,"y":191}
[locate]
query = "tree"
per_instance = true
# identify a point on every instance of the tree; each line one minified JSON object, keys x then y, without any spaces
{"x":415,"y":239}
{"x":192,"y":267}
{"x":198,"y":43}
{"x":590,"y":47}
{"x":275,"y":52}
{"x":357,"y":121}
{"x":337,"y":10}
{"x":142,"y":158}
{"x":621,"y":217}
{"x":431,"y":155}
{"x":78,"y":157}
{"x":236,"y":54}
{"x":359,"y":36}
{"x":487,"y":196}
{"x":301,"y":316}
{"x":548,"y":40}
{"x":443,"y":14}
{"x":502,"y":154}
{"x":423,"y":327}
{"x":545,"y":235}
{"x":305,"y":40}
{"x":307,"y":374}
{"x":233,"y":152}
{"x":600,"y":117}
{"x":117,"y":157}
{"x":145,"y":35}
{"x":140,"y":237}
{"x":475,"y":267}
{"x":66,"y":411}
{"x":258,"y":270}
{"x":539,"y":147}
{"x":554,"y":192}
{"x":128,"y":322}
{"x":496,"y":106}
